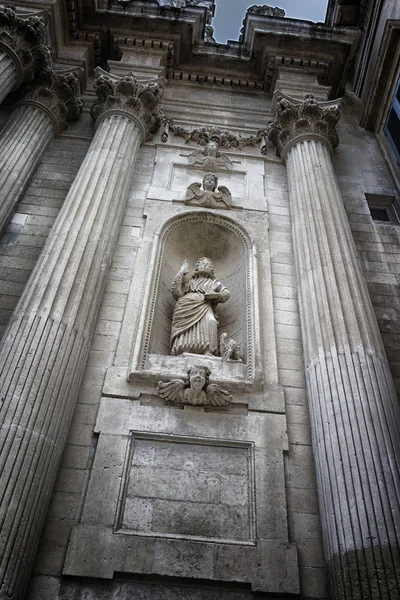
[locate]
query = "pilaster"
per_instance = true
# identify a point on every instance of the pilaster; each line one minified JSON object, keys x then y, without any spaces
{"x":45,"y":347}
{"x":353,"y":405}
{"x":22,"y":49}
{"x":42,"y":111}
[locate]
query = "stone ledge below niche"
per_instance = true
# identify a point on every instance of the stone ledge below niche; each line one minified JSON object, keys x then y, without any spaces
{"x":268,"y":398}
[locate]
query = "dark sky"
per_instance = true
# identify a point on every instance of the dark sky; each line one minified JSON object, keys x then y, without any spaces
{"x":229,"y":14}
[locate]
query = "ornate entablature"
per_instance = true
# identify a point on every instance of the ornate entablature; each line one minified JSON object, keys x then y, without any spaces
{"x":204,"y":135}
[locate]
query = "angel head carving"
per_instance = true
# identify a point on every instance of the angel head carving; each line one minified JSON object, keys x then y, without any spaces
{"x":195,"y":389}
{"x":209,"y":157}
{"x":206,"y":194}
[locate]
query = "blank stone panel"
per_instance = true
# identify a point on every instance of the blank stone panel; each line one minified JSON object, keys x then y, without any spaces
{"x":191,"y":489}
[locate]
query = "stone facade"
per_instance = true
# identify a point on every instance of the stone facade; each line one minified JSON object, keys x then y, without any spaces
{"x":288,"y":488}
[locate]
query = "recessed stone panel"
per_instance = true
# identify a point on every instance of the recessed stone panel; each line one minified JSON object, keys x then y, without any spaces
{"x":185,"y":488}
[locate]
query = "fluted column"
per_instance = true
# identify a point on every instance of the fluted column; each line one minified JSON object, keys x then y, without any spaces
{"x":46,"y":345}
{"x":22,"y":49}
{"x":42,"y":112}
{"x":354,"y":410}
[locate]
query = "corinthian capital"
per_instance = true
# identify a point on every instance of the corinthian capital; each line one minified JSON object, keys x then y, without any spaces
{"x":23,"y":38}
{"x":125,"y":95}
{"x":56,"y":94}
{"x":306,"y":120}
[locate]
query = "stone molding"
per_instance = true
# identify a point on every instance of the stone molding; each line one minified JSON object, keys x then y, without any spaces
{"x":23,"y":39}
{"x":56,"y":94}
{"x":126,"y":96}
{"x":296,"y":121}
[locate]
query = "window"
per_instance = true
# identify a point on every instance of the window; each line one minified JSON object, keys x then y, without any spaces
{"x":384,"y":208}
{"x":392,"y":125}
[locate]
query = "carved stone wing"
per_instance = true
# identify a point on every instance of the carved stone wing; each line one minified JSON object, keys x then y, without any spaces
{"x":218,"y":396}
{"x":223,"y":197}
{"x":197,"y":157}
{"x":171,"y":391}
{"x":224,"y":162}
{"x":194,"y":193}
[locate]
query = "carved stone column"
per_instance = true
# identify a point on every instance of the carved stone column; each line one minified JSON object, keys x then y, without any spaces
{"x":353,"y":405}
{"x":22,"y":49}
{"x":42,"y":113}
{"x":45,"y":347}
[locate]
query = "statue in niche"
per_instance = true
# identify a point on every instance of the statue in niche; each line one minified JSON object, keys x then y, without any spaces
{"x":195,"y":390}
{"x":209,"y":158}
{"x":194,"y":322}
{"x":208,"y":197}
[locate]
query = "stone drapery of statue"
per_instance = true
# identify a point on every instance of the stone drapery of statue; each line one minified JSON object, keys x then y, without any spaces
{"x":209,"y":196}
{"x":195,"y":390}
{"x":194,"y":322}
{"x":209,"y":158}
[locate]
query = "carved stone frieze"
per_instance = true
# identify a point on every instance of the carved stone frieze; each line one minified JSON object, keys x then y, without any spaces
{"x":308,"y":119}
{"x":56,"y":94}
{"x":195,"y":390}
{"x":23,"y":38}
{"x":127,"y":96}
{"x":266,"y":11}
{"x":207,"y":195}
{"x":204,"y":135}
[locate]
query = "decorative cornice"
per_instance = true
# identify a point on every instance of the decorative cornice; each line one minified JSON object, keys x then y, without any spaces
{"x":125,"y":95}
{"x":54,"y":93}
{"x":204,"y":135}
{"x":296,"y":121}
{"x":266,"y":11}
{"x":23,"y":38}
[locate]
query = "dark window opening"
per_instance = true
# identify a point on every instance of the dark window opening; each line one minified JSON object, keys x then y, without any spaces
{"x":383,"y":207}
{"x":392,"y":126}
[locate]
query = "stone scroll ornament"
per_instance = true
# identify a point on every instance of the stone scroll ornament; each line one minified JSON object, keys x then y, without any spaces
{"x":127,"y":95}
{"x":207,"y":195}
{"x":294,"y":120}
{"x":195,"y":390}
{"x":25,"y":38}
{"x":209,"y":158}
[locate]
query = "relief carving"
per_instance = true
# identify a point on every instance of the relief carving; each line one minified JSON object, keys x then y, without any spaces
{"x":24,"y":39}
{"x":127,"y":95}
{"x":307,"y":118}
{"x":204,"y":135}
{"x":195,"y":322}
{"x":210,"y":159}
{"x":195,"y":390}
{"x":56,"y":94}
{"x":207,"y":195}
{"x":266,"y":11}
{"x":229,"y":349}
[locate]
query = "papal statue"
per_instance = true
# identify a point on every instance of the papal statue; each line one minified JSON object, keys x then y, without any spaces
{"x":194,"y":322}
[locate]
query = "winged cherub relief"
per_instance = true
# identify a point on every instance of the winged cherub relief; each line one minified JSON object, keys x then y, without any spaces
{"x":207,"y":195}
{"x":209,"y":158}
{"x":194,"y":390}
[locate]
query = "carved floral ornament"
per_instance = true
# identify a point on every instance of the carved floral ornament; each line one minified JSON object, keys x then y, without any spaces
{"x":296,"y":120}
{"x":56,"y":93}
{"x":206,"y":134}
{"x":127,"y":95}
{"x":24,"y":39}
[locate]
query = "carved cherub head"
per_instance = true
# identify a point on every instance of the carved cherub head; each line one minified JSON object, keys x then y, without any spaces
{"x":211,"y":149}
{"x":198,"y":377}
{"x":210,"y":182}
{"x":204,"y":267}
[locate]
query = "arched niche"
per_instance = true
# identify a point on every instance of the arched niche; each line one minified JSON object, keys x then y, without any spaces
{"x":190,"y":236}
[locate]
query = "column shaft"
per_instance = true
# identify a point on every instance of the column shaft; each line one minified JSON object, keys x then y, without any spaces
{"x":8,"y":74}
{"x":24,"y":140}
{"x":45,"y":347}
{"x":353,"y":405}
